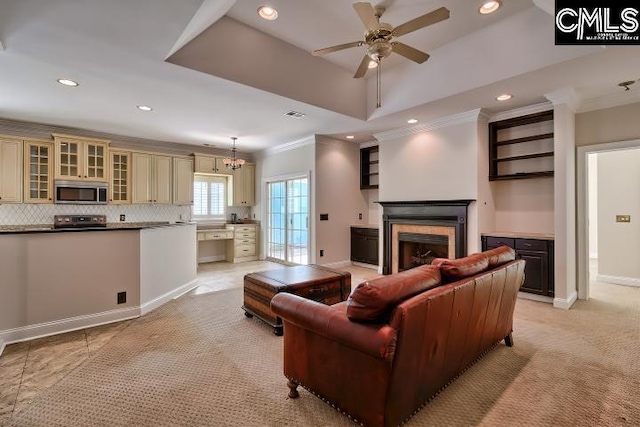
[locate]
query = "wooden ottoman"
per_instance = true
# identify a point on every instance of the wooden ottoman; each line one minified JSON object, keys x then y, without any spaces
{"x":314,"y":282}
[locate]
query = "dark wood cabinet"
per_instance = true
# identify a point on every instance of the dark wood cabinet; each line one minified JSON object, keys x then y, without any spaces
{"x":369,"y":168}
{"x":364,"y":245}
{"x":521,"y":147}
{"x":538,"y":253}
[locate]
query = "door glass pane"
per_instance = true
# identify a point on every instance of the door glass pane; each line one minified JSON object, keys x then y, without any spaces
{"x":288,"y":221}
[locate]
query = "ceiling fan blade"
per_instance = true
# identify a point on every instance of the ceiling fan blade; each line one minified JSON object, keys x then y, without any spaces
{"x":409,"y":52}
{"x":362,"y":68}
{"x":421,"y":22}
{"x":336,"y":48}
{"x":367,"y":15}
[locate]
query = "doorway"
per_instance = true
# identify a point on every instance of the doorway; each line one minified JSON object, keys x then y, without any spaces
{"x":288,"y":220}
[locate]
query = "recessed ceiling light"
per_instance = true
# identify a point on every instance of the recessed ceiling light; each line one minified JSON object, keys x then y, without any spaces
{"x":412,"y":121}
{"x":350,"y":136}
{"x":68,"y":82}
{"x":144,"y":108}
{"x":267,"y":12}
{"x":490,"y":6}
{"x":373,"y":64}
{"x":504,"y":97}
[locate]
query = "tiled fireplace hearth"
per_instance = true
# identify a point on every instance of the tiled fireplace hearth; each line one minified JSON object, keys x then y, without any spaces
{"x":415,"y":232}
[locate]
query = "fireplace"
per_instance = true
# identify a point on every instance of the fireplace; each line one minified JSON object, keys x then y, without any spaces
{"x":416,"y":232}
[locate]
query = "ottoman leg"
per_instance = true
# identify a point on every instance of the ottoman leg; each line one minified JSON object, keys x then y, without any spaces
{"x":249,"y":315}
{"x":293,"y":389}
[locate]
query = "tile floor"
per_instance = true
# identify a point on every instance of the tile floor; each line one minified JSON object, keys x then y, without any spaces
{"x":28,"y":368}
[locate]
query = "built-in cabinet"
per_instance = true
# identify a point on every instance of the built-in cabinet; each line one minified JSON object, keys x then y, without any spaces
{"x":538,"y":253}
{"x":80,"y":158}
{"x":244,"y":186}
{"x":244,"y":246}
{"x":369,"y":168}
{"x":151,"y":178}
{"x":211,"y":164}
{"x":38,"y":171}
{"x":10,"y":170}
{"x":120,"y":172}
{"x":364,"y":245}
{"x":182,"y":181}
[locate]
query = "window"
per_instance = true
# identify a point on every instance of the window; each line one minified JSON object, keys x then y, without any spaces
{"x":209,"y":197}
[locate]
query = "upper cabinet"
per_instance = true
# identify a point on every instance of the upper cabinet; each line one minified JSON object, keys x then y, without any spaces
{"x":79,"y":158}
{"x":521,"y":147}
{"x":244,"y":186}
{"x":369,"y":168}
{"x":211,"y":164}
{"x":120,"y":165}
{"x":151,"y":178}
{"x":10,"y":170}
{"x":38,"y":172}
{"x":182,"y":181}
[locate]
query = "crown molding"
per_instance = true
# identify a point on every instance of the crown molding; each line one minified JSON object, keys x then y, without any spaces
{"x":567,"y":96}
{"x":609,"y":101}
{"x":443,"y":122}
{"x":519,"y":112}
{"x":288,"y":146}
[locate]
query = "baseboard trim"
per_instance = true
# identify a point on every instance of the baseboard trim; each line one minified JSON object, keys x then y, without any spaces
{"x":534,"y":297}
{"x":364,"y":265}
{"x":39,"y":330}
{"x":164,"y":298}
{"x":214,"y":258}
{"x":565,"y":304}
{"x":337,"y":264}
{"x":618,"y":280}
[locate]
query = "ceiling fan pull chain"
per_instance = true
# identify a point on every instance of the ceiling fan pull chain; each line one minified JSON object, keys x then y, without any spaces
{"x":378,"y":84}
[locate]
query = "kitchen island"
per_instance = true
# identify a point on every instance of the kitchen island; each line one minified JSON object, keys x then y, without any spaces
{"x":55,"y":280}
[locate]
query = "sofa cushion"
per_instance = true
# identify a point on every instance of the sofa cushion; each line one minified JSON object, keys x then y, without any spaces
{"x":454,"y":269}
{"x":373,"y":299}
{"x":500,"y":255}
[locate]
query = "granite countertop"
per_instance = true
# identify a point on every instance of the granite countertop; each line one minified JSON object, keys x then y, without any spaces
{"x":48,"y":228}
{"x":519,"y":235}
{"x":375,"y":226}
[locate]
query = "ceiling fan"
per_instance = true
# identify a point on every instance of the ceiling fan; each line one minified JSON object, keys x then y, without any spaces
{"x":378,"y":36}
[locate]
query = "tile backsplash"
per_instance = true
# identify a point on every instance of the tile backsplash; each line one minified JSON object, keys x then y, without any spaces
{"x":26,"y":214}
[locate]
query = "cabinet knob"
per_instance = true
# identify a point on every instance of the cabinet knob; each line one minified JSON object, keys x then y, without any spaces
{"x":50,"y":198}
{"x":85,"y":176}
{"x":79,"y":176}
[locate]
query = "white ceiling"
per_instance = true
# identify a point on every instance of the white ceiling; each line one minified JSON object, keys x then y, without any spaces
{"x":116,"y":49}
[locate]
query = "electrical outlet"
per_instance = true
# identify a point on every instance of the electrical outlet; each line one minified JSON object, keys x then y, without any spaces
{"x":122,"y":297}
{"x":359,"y":216}
{"x":321,"y":252}
{"x":122,"y":217}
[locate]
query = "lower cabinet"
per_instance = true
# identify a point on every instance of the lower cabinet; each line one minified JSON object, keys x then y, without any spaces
{"x":538,"y":253}
{"x":244,"y":246}
{"x":364,"y":245}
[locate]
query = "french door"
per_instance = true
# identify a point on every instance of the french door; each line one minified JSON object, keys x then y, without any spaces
{"x":288,"y":220}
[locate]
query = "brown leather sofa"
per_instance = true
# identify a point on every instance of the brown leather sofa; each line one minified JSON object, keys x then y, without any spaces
{"x":382,"y":354}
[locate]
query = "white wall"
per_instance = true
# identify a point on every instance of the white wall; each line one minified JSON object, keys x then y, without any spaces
{"x":593,"y":204}
{"x":337,"y":194}
{"x":619,"y":194}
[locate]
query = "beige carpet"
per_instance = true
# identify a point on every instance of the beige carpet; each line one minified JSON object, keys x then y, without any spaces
{"x":197,"y":361}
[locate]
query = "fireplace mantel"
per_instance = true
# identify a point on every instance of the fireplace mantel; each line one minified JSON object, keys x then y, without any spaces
{"x":451,"y":213}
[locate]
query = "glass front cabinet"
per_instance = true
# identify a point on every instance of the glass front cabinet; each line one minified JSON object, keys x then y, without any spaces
{"x":38,"y":156}
{"x":81,"y":158}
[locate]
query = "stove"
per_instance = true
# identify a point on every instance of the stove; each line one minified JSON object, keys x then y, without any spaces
{"x":79,"y":221}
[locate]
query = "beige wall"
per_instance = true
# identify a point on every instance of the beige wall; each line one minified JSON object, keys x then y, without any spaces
{"x":619,"y":194}
{"x":337,"y":194}
{"x":524,"y":205}
{"x":608,"y":125}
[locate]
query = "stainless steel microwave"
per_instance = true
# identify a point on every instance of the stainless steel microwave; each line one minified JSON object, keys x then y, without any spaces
{"x":81,"y":193}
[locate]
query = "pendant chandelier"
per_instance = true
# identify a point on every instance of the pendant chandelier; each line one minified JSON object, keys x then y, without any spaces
{"x":233,"y":163}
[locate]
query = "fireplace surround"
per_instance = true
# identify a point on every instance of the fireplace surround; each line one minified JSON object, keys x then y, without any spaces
{"x":441,"y":221}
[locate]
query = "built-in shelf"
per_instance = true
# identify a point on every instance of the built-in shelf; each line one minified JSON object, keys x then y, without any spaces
{"x":521,"y":147}
{"x":369,"y":162}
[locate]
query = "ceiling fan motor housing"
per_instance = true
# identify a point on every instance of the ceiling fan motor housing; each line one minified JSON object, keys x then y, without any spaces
{"x":379,"y":41}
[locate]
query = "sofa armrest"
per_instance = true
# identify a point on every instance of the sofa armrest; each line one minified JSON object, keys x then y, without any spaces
{"x":377,"y":340}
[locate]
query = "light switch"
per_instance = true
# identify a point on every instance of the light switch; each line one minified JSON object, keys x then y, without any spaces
{"x":623,"y":218}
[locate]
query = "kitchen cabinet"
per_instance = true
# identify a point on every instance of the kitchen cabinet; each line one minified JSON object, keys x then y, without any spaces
{"x":80,"y":158}
{"x":244,"y":246}
{"x":364,"y":245}
{"x":151,"y":178}
{"x":38,"y":172}
{"x":182,"y":181}
{"x":10,"y":170}
{"x":211,"y":164}
{"x":521,"y":147}
{"x":538,"y":253}
{"x":244,"y":185}
{"x":120,"y":172}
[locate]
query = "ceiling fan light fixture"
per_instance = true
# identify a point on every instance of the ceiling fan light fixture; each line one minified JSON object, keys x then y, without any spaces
{"x":373,"y":64}
{"x":268,"y":13}
{"x":490,"y":6}
{"x":504,"y":97}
